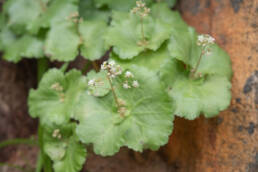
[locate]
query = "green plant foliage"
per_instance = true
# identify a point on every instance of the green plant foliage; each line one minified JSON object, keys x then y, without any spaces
{"x":53,"y":102}
{"x":208,"y":95}
{"x":88,"y":10}
{"x":92,"y":33}
{"x":147,"y":122}
{"x":18,"y":47}
{"x":125,"y":34}
{"x":57,"y":12}
{"x":166,"y":15}
{"x":153,"y":60}
{"x":22,"y":14}
{"x":62,"y":42}
{"x":102,"y":86}
{"x":158,"y":67}
{"x":64,"y":148}
{"x":124,"y":5}
{"x":183,"y":46}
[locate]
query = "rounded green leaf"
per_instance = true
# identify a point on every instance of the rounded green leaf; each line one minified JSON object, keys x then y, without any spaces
{"x":17,"y":47}
{"x":146,"y":122}
{"x":58,"y":11}
{"x":92,"y":33}
{"x":183,"y":46}
{"x":22,"y":14}
{"x":102,"y":86}
{"x":125,"y":34}
{"x":207,"y":95}
{"x":53,"y":102}
{"x":89,"y":12}
{"x":67,"y":153}
{"x":62,"y":42}
{"x":153,"y":60}
{"x":164,"y":13}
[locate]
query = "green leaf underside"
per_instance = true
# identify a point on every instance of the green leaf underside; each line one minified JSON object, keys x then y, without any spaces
{"x":208,"y":95}
{"x":67,"y":153}
{"x":147,"y":123}
{"x":52,"y":106}
{"x":125,"y":34}
{"x":22,"y":14}
{"x":62,"y":42}
{"x":183,"y":46}
{"x":15,"y":48}
{"x":102,"y":88}
{"x":92,"y":33}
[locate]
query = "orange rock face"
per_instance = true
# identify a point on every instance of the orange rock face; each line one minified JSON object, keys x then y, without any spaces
{"x":228,"y":142}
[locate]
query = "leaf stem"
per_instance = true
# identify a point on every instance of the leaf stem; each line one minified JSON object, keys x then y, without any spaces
{"x":17,"y":141}
{"x":42,"y":67}
{"x":193,"y":72}
{"x":42,"y":6}
{"x":142,"y":30}
{"x":43,"y":158}
{"x":113,"y":91}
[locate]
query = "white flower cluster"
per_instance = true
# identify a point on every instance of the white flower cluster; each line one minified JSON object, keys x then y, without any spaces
{"x":126,"y":84}
{"x":112,"y":68}
{"x":141,"y":9}
{"x":57,"y":134}
{"x":204,"y":40}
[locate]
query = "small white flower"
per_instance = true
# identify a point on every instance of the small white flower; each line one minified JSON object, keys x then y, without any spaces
{"x":56,"y":133}
{"x":126,"y":85}
{"x":112,"y":63}
{"x":135,"y":84}
{"x":92,"y":82}
{"x":204,"y":40}
{"x":128,"y":74}
{"x":104,"y":65}
{"x":211,"y":40}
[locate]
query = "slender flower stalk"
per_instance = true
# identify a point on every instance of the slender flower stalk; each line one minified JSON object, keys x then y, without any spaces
{"x":142,"y":11}
{"x":204,"y":41}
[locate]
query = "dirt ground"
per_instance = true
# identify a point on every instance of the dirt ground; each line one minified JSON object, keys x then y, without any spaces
{"x":226,"y":143}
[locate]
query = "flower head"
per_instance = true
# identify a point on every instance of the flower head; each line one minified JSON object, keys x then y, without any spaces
{"x":112,"y":68}
{"x":141,"y":9}
{"x":204,"y":40}
{"x":128,"y":74}
{"x":135,"y":84}
{"x":126,"y":85}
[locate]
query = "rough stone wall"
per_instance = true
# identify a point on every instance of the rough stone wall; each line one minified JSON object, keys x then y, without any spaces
{"x":228,"y":142}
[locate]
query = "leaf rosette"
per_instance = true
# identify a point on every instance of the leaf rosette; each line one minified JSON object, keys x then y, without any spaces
{"x":64,"y":148}
{"x":147,"y":120}
{"x":207,"y":95}
{"x":54,"y":100}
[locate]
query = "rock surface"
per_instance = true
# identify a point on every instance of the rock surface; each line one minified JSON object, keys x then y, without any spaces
{"x":228,"y":142}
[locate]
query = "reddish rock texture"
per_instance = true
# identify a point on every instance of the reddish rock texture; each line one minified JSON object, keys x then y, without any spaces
{"x":228,"y":142}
